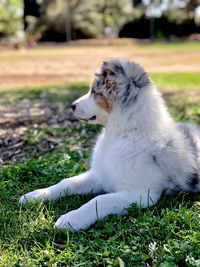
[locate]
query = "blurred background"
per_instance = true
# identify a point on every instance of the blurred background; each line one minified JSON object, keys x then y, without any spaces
{"x":66,"y":20}
{"x":59,"y":41}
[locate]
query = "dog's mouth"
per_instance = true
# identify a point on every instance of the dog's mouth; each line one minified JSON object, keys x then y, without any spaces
{"x":93,"y":118}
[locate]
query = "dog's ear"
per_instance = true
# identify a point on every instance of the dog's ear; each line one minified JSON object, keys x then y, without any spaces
{"x":107,"y":70}
{"x":118,"y":84}
{"x":123,"y":80}
{"x":110,"y":72}
{"x":112,"y":67}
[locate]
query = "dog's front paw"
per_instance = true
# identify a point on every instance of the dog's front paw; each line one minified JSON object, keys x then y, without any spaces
{"x":71,"y":221}
{"x":37,"y":195}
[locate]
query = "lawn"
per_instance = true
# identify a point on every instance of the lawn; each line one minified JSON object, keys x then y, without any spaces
{"x":64,"y":64}
{"x":41,"y":143}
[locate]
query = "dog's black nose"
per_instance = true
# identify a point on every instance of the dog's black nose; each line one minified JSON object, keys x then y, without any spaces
{"x":73,"y":107}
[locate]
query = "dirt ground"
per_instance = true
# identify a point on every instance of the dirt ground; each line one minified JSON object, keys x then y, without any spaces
{"x":63,"y":64}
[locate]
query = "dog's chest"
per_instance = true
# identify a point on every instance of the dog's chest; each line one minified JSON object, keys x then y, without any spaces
{"x":118,"y":163}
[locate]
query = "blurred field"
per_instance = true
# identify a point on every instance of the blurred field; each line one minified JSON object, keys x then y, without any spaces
{"x":64,"y":64}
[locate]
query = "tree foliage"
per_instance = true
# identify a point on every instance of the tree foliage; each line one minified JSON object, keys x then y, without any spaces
{"x":163,"y":19}
{"x":89,"y":17}
{"x":10,"y":17}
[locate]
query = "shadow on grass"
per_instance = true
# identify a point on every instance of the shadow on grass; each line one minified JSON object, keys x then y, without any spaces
{"x":36,"y":121}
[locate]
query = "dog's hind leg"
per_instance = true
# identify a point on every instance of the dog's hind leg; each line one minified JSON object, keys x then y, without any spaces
{"x":80,"y":184}
{"x":103,"y":205}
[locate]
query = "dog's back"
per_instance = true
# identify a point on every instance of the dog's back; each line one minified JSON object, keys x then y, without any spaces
{"x":179,"y":159}
{"x":192,"y":135}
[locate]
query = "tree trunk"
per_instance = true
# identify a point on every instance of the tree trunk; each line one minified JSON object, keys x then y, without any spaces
{"x":68,"y":26}
{"x":152,"y":28}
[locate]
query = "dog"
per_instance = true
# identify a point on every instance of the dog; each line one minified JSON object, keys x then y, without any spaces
{"x":141,"y":152}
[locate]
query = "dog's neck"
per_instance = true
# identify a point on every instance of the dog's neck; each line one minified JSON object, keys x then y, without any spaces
{"x":148,"y":117}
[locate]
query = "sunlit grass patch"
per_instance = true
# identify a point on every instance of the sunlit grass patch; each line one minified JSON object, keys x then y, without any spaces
{"x":177,"y":81}
{"x":173,"y":45}
{"x":55,"y":64}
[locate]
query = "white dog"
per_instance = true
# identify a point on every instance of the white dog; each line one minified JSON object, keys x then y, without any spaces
{"x":140,"y":153}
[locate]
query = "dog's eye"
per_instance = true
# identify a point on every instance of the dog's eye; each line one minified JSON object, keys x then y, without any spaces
{"x":96,"y":94}
{"x":99,"y":94}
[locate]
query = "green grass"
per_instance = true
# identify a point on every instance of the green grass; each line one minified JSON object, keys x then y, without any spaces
{"x":166,"y":235}
{"x":177,"y":81}
{"x":173,"y":45}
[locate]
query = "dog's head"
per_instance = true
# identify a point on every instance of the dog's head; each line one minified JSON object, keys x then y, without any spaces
{"x":118,"y":82}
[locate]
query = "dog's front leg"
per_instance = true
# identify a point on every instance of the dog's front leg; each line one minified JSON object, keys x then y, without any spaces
{"x":101,"y":206}
{"x":80,"y":184}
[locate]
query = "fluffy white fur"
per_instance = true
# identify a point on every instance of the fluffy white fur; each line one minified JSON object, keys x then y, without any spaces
{"x":140,"y":153}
